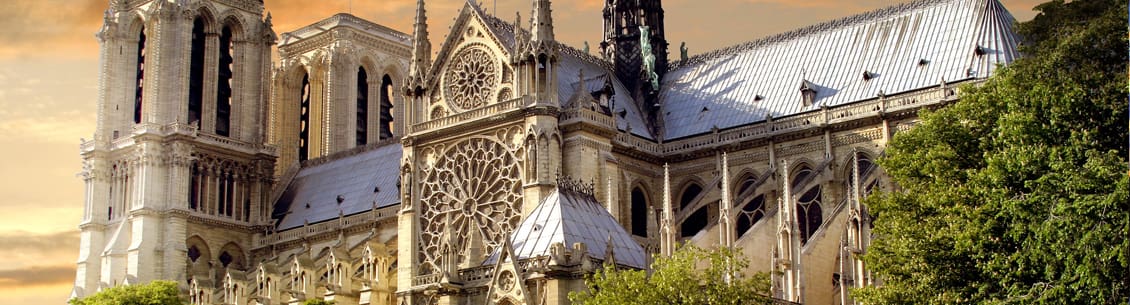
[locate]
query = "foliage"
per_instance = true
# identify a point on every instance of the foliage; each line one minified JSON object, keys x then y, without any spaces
{"x":679,"y":279}
{"x":153,"y":293}
{"x":1017,"y":193}
{"x":317,"y":302}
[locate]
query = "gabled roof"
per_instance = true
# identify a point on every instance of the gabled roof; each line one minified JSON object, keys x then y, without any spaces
{"x":902,"y":48}
{"x":570,"y":63}
{"x":569,"y":217}
{"x":362,"y":180}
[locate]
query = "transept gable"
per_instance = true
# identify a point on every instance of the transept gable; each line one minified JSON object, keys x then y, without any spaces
{"x":470,"y":28}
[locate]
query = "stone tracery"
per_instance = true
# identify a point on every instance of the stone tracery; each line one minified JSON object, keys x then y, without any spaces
{"x":471,"y":79}
{"x":475,"y":187}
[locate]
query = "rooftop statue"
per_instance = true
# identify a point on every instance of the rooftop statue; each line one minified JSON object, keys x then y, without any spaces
{"x":648,"y":58}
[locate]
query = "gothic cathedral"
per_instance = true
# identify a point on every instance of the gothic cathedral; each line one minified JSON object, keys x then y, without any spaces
{"x":358,"y":166}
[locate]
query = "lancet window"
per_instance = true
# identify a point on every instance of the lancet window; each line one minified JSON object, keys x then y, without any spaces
{"x":639,"y":212}
{"x":196,"y":73}
{"x":140,"y":78}
{"x":809,"y":214}
{"x":752,"y":205}
{"x":223,"y":82}
{"x":362,"y":107}
{"x":386,"y":119}
{"x":304,"y":119}
{"x":697,"y":220}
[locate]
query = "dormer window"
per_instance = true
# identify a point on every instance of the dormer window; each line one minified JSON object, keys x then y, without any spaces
{"x":867,"y":75}
{"x":807,"y":93}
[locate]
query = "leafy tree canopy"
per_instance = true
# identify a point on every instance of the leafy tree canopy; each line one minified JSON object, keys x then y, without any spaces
{"x":679,"y":279}
{"x":153,"y":293}
{"x":1017,"y":193}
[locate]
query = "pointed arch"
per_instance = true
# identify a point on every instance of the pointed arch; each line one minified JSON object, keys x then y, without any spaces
{"x":197,"y":250}
{"x":640,"y":205}
{"x":232,"y":256}
{"x":698,"y":219}
{"x":749,"y":202}
{"x":808,"y":198}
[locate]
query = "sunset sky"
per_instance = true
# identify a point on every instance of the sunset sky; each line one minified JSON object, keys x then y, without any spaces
{"x":49,"y":79}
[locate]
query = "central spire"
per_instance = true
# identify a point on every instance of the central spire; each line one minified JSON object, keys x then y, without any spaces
{"x":542,"y":23}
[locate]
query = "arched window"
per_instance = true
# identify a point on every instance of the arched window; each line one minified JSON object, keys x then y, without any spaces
{"x":196,"y":73}
{"x":386,"y":121}
{"x":304,"y":119}
{"x":140,"y":79}
{"x":752,"y":211}
{"x":223,"y":82}
{"x":697,"y":220}
{"x":193,"y":253}
{"x":194,"y":189}
{"x":639,"y":212}
{"x":362,"y":107}
{"x":809,"y":214}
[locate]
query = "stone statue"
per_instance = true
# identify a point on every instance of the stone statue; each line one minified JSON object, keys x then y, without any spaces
{"x":648,"y":58}
{"x":586,"y":47}
{"x":683,"y":51}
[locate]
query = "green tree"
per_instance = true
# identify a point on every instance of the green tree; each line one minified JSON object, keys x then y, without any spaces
{"x":1017,"y":193}
{"x":679,"y":279}
{"x":153,"y":293}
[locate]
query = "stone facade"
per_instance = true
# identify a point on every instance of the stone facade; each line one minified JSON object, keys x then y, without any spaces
{"x":241,"y":180}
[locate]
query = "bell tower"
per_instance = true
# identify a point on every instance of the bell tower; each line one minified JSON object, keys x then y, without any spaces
{"x":625,"y":21}
{"x":177,"y":174}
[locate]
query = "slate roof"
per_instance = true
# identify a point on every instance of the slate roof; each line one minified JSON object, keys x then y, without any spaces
{"x":570,"y":217}
{"x":356,"y":178}
{"x":902,"y":48}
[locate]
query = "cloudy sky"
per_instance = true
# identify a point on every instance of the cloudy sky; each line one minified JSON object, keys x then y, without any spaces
{"x":48,"y":84}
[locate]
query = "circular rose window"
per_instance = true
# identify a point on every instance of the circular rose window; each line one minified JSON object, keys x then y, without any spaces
{"x":471,"y":79}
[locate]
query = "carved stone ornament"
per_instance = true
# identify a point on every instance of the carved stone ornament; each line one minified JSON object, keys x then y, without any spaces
{"x":471,"y":79}
{"x":477,"y":184}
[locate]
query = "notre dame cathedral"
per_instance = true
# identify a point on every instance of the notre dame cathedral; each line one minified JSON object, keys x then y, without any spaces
{"x":358,"y":168}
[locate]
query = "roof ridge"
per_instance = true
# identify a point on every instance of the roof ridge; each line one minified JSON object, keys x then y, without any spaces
{"x":808,"y":30}
{"x":349,"y":153}
{"x":506,"y":27}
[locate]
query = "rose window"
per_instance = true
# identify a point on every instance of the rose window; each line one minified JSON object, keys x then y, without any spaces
{"x":471,"y":79}
{"x":472,"y":192}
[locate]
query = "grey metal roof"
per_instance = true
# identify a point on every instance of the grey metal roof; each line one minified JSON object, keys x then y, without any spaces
{"x":570,"y":217}
{"x":570,"y":63}
{"x":362,"y":180}
{"x":902,"y":48}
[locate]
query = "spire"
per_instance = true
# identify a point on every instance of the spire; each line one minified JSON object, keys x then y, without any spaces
{"x":542,"y":23}
{"x":421,"y":46}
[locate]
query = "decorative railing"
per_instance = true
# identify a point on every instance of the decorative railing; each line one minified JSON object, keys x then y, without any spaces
{"x":123,"y":141}
{"x":333,"y":225}
{"x":473,"y":114}
{"x":425,"y":279}
{"x":588,"y":116}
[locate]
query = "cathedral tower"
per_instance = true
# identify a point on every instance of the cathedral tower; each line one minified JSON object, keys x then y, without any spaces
{"x":624,"y":48}
{"x":177,"y":173}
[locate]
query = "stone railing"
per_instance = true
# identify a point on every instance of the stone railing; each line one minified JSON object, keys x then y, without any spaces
{"x":333,"y":225}
{"x":126,"y":140}
{"x":423,"y":280}
{"x":587,"y":116}
{"x":826,"y":116}
{"x":470,"y":115}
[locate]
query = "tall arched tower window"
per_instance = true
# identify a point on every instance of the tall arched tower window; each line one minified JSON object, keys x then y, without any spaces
{"x":753,"y":207}
{"x":362,"y":107}
{"x":223,"y":84}
{"x":386,"y":107}
{"x":140,"y":80}
{"x":639,"y":212}
{"x":697,"y":220}
{"x":809,"y":214}
{"x":304,"y":119}
{"x":196,"y":73}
